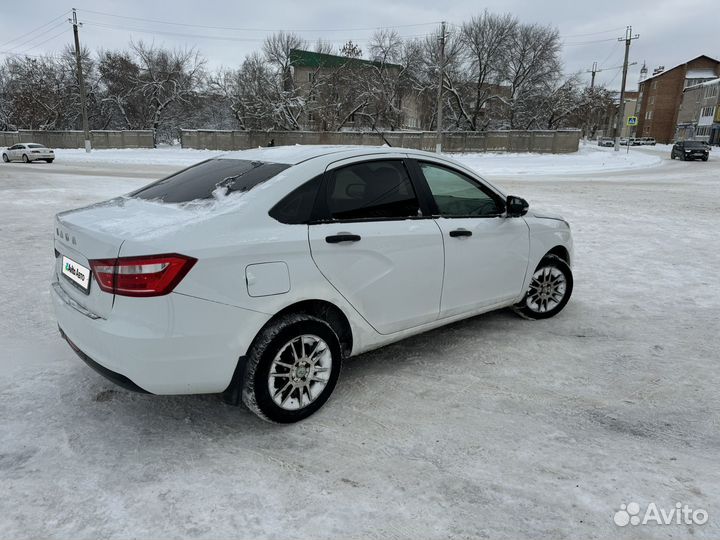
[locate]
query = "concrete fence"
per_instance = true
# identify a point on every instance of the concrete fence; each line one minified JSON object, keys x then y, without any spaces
{"x":553,"y":142}
{"x":76,"y":139}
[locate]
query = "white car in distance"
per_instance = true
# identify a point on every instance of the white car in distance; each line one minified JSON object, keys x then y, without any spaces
{"x":28,"y":152}
{"x":257,"y":272}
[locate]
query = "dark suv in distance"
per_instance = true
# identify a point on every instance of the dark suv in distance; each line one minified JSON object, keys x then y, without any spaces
{"x":690,"y":150}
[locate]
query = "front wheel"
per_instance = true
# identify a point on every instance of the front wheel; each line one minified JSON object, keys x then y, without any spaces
{"x":672,"y":155}
{"x":550,"y":289}
{"x":50,"y":160}
{"x":25,"y":159}
{"x":292,"y":368}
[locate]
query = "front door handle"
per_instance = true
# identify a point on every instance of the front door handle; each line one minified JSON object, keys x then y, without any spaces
{"x":337,"y":238}
{"x":460,"y":232}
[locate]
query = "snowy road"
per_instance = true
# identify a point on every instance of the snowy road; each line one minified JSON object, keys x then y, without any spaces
{"x":493,"y":427}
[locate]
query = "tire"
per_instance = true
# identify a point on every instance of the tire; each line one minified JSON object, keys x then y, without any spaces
{"x":25,"y":158}
{"x":50,"y":160}
{"x":705,"y":158}
{"x":557,"y":275}
{"x":6,"y":159}
{"x":305,"y":333}
{"x":672,"y":155}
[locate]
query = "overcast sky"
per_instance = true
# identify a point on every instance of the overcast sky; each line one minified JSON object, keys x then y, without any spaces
{"x":670,"y":31}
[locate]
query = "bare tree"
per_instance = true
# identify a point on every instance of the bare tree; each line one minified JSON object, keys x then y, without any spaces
{"x":487,"y":39}
{"x":166,"y":77}
{"x":533,"y":61}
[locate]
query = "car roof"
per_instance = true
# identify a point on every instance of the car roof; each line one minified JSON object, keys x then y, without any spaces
{"x":292,"y":155}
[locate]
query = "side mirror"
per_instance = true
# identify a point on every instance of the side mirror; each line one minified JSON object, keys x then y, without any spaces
{"x":516,"y":206}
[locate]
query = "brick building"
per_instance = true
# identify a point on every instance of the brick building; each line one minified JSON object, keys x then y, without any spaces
{"x":661,"y":95}
{"x":699,"y":115}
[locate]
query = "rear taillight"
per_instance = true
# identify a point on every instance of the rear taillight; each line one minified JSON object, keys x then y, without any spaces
{"x":151,"y":275}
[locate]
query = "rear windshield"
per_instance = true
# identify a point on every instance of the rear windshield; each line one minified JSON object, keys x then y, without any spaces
{"x":694,"y":144}
{"x":35,"y":146}
{"x":199,"y":181}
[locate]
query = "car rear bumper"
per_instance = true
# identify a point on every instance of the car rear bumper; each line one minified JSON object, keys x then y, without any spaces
{"x":173,"y":344}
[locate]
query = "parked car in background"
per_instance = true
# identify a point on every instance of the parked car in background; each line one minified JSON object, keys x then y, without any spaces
{"x":687,"y":150}
{"x":257,"y":272}
{"x":647,"y":141}
{"x":606,"y":141}
{"x":28,"y":152}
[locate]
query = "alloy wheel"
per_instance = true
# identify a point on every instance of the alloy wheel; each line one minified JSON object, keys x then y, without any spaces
{"x":300,"y":372}
{"x":547,"y":289}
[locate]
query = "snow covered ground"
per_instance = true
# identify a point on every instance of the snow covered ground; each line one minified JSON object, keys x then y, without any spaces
{"x":590,"y":159}
{"x":493,"y":427}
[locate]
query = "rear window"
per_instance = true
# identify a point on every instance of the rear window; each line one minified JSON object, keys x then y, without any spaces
{"x":694,"y":144}
{"x":199,"y":181}
{"x":35,"y":146}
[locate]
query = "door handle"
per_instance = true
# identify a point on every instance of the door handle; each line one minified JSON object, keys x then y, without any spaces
{"x":337,"y":238}
{"x":460,"y":232}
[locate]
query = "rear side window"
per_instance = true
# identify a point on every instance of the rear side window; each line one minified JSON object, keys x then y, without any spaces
{"x":297,"y":206}
{"x":199,"y":181}
{"x":372,"y":190}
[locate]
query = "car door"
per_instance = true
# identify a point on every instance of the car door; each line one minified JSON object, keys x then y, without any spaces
{"x":376,"y":246}
{"x":12,"y":152}
{"x":486,"y":253}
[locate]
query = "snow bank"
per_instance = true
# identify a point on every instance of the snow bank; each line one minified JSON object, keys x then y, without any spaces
{"x":589,"y":159}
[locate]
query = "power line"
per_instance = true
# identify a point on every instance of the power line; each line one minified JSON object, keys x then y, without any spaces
{"x":212,"y":37}
{"x":594,"y":33}
{"x":589,"y":42}
{"x":36,"y":29}
{"x":246,"y":29}
{"x":15,"y":47}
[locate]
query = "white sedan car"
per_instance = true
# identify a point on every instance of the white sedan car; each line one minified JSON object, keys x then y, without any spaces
{"x":257,"y":272}
{"x":28,"y":152}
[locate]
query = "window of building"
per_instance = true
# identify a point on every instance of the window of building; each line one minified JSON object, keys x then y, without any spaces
{"x":711,"y":91}
{"x":648,"y":115}
{"x":654,"y":85}
{"x":707,"y":111}
{"x":652,"y":100}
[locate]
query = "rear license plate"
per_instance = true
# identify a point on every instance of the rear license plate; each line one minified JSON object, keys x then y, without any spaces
{"x":76,"y":273}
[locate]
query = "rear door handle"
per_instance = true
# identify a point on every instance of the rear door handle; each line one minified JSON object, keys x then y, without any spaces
{"x":337,"y":238}
{"x":460,"y":232}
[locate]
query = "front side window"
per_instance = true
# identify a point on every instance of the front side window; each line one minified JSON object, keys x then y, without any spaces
{"x":456,"y":195}
{"x":201,"y":180}
{"x":372,"y":190}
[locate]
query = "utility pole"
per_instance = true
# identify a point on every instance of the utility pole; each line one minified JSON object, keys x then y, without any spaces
{"x":621,"y":111}
{"x":441,"y":78}
{"x":594,"y":70}
{"x":81,"y":80}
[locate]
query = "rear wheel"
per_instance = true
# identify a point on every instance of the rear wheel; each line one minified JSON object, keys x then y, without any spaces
{"x":5,"y":158}
{"x":550,"y":289}
{"x":25,"y":159}
{"x":672,"y":155}
{"x":292,"y":369}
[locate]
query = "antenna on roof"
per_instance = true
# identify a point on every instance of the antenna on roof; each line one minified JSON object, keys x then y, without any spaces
{"x":383,"y":136}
